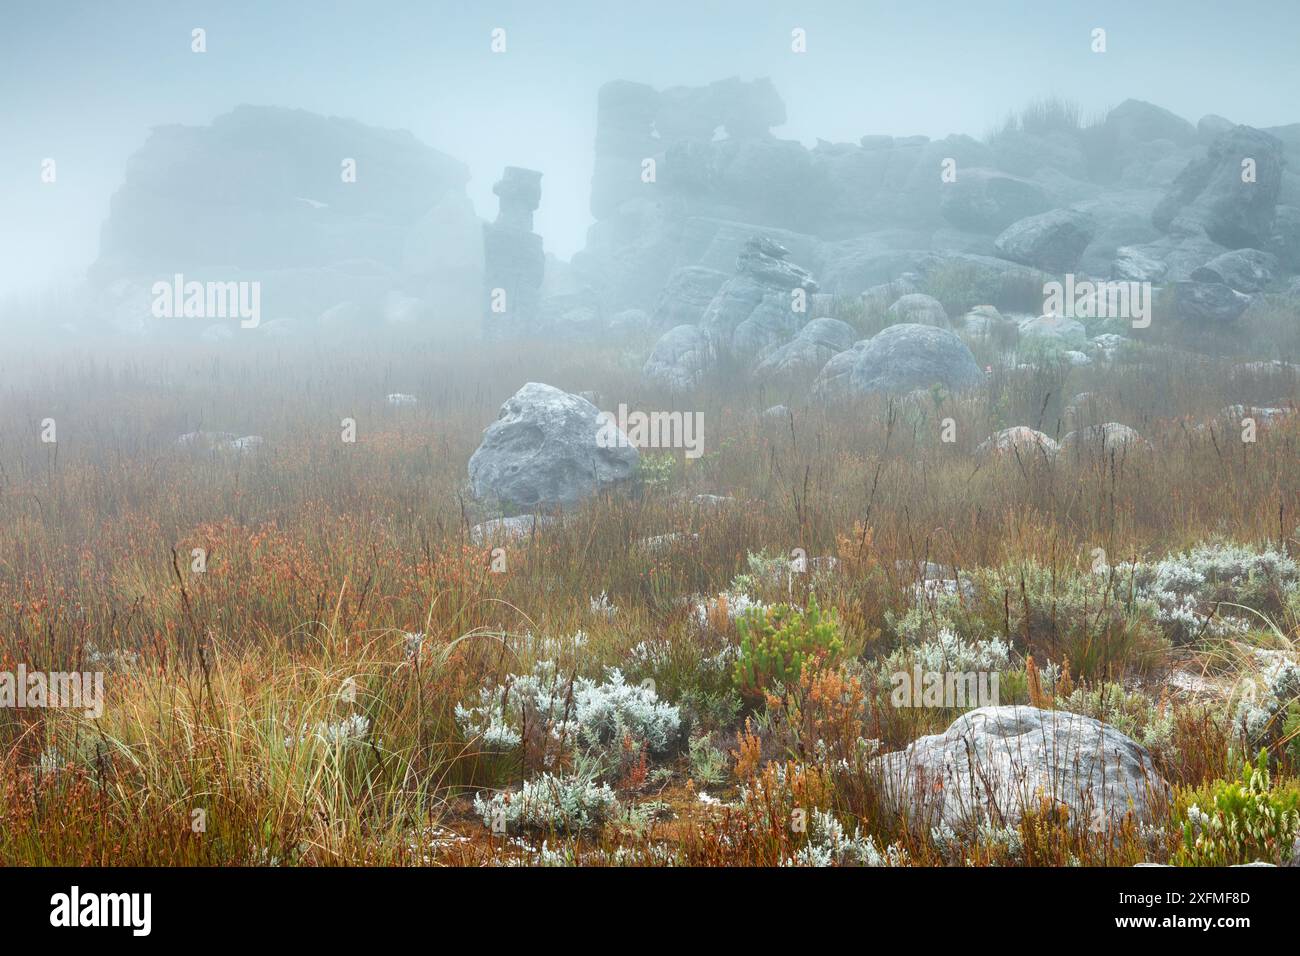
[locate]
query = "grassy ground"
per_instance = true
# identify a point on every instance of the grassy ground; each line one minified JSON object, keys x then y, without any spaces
{"x":276,"y":708}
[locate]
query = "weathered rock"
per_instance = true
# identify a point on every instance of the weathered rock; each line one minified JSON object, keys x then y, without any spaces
{"x":513,"y":528}
{"x":902,"y":359}
{"x":1285,"y":241}
{"x":1245,"y":270}
{"x":248,"y":198}
{"x":918,"y":308}
{"x":514,"y":264}
{"x":1211,"y":191}
{"x":686,"y":295}
{"x":760,"y":307}
{"x":1055,"y":328}
{"x":1103,"y":439}
{"x":994,"y":764}
{"x":1021,"y":440}
{"x":680,"y":358}
{"x":1138,"y":264}
{"x":1208,"y":304}
{"x":548,"y":449}
{"x":985,"y":200}
{"x":1052,"y":241}
{"x":809,"y":351}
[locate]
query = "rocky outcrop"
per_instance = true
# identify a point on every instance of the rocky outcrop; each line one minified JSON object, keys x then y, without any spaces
{"x":763,"y":305}
{"x":1231,"y":192}
{"x":317,"y":210}
{"x":548,"y":449}
{"x":514,"y":263}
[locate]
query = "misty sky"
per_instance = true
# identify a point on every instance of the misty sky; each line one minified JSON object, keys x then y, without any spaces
{"x":83,"y":82}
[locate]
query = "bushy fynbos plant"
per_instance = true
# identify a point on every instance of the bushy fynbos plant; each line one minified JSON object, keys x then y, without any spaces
{"x":1267,"y":719}
{"x":563,"y":804}
{"x":1242,"y":821}
{"x":1187,"y":589}
{"x":829,"y":844}
{"x":580,"y":712}
{"x":777,"y":642}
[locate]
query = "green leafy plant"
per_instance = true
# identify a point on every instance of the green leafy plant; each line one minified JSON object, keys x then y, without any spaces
{"x":776,"y":642}
{"x":1242,"y":821}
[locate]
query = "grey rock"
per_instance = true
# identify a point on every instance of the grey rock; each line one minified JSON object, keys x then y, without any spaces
{"x":903,"y":358}
{"x":986,"y":200}
{"x":1210,"y":191}
{"x":810,"y":349}
{"x":919,"y":308}
{"x":548,"y":449}
{"x":681,"y":357}
{"x":993,"y":764}
{"x":1056,"y":328}
{"x":1245,"y":270}
{"x":503,"y":530}
{"x":686,"y":295}
{"x":1138,"y":264}
{"x":1208,"y":304}
{"x":1053,"y":241}
{"x":1103,"y":439}
{"x":1019,"y":439}
{"x":757,"y":309}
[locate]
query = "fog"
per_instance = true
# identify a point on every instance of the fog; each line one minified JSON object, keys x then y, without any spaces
{"x":83,"y":83}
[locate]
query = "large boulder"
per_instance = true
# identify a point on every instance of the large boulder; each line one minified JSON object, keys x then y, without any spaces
{"x":1246,"y":270}
{"x":985,"y":200}
{"x":919,"y":308}
{"x":680,"y":359}
{"x":902,"y":359}
{"x":1208,"y":304}
{"x":1052,"y":241}
{"x":994,"y":764}
{"x":548,"y":449}
{"x":1236,"y":209}
{"x":1020,"y":441}
{"x":763,"y":305}
{"x":809,"y":350}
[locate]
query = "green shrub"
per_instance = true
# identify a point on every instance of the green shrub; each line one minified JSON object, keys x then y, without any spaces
{"x":776,"y":642}
{"x":1242,"y":821}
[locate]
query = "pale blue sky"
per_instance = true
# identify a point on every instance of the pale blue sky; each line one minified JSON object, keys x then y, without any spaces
{"x":83,"y":81}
